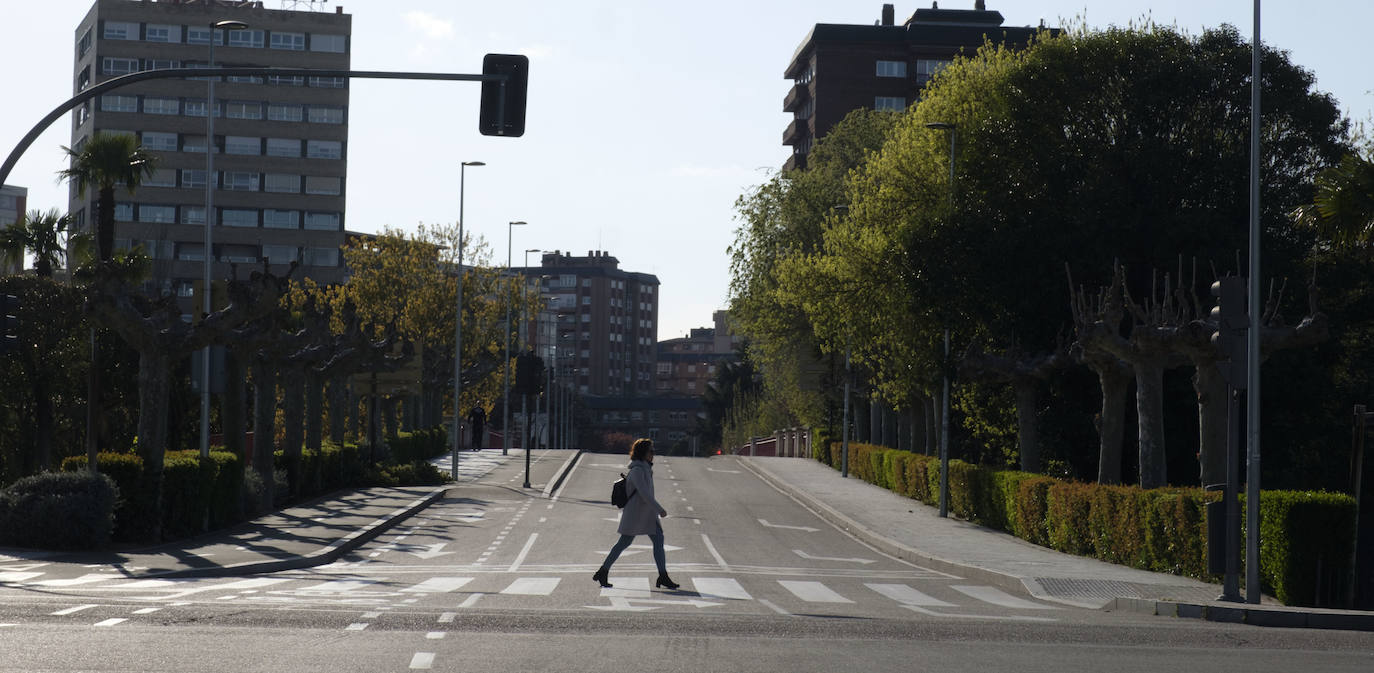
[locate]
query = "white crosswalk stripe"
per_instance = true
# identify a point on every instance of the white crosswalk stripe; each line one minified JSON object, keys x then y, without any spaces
{"x":720,"y":587}
{"x":436,"y":585}
{"x":1000,"y":598}
{"x":813,"y":592}
{"x":532,"y":586}
{"x":908,"y":596}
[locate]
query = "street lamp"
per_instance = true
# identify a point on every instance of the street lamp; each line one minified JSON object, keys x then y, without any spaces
{"x":944,"y":415}
{"x":209,"y":222}
{"x":458,"y":324}
{"x":505,"y":395}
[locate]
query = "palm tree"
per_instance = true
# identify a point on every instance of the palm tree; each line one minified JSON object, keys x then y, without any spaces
{"x":40,"y":233}
{"x":108,"y":161}
{"x":1343,"y":211}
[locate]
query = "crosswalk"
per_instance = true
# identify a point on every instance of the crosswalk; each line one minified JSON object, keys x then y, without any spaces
{"x":630,"y":591}
{"x":471,"y":464}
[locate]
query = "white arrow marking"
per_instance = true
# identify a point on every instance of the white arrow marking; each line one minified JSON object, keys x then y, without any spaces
{"x":827,"y":558}
{"x":434,"y":551}
{"x":628,"y":604}
{"x":778,"y":525}
{"x":637,"y":548}
{"x":712,"y":469}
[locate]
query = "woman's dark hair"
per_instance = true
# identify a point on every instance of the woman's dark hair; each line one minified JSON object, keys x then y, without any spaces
{"x":641,"y":446}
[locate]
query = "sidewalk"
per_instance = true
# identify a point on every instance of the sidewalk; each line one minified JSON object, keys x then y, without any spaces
{"x":913,"y":531}
{"x":306,"y":535}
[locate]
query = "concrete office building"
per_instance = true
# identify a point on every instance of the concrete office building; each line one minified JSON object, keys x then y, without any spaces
{"x":13,"y":203}
{"x":281,"y":142}
{"x":839,"y":68}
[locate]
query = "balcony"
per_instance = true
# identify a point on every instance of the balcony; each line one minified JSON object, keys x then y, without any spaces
{"x":795,"y":132}
{"x":794,"y":98}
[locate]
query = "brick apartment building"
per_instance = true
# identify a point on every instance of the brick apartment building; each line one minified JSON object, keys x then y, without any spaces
{"x":839,"y":68}
{"x":280,"y":142}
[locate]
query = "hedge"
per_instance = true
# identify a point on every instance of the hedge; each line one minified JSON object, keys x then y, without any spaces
{"x":1305,"y":543}
{"x":58,"y":510}
{"x":195,"y":493}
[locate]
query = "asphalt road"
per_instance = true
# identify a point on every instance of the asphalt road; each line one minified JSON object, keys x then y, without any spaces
{"x":498,"y":578}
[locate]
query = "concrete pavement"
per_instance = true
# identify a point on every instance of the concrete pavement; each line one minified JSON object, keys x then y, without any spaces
{"x":913,"y":531}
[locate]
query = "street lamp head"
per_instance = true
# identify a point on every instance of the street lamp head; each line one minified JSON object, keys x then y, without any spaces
{"x":518,"y":223}
{"x":534,"y":250}
{"x":942,"y":126}
{"x":474,"y":163}
{"x":230,"y":24}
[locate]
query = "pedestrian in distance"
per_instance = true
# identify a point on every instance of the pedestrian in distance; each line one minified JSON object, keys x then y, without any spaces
{"x":640,"y":516}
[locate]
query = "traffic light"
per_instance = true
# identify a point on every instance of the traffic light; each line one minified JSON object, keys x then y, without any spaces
{"x":1231,"y":320}
{"x":529,"y":374}
{"x":503,"y":104}
{"x":9,"y":322}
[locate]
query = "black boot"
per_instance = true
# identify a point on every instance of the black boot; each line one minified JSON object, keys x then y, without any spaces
{"x":666,"y":582}
{"x":601,"y":578}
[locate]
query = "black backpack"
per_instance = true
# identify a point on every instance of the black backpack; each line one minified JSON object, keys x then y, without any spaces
{"x":619,"y":492}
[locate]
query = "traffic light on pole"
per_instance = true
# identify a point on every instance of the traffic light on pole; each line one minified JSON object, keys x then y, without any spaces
{"x":9,"y":322}
{"x":1231,"y":320}
{"x":503,"y":102}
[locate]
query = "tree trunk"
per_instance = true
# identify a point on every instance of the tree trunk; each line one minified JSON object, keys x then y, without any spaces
{"x":1027,"y":431}
{"x":1149,"y":404}
{"x":233,"y":404}
{"x":154,"y":370}
{"x":1115,"y":383}
{"x":314,"y":410}
{"x":105,"y":224}
{"x":293,"y":418}
{"x":932,"y":423}
{"x":264,"y":417}
{"x":338,"y":409}
{"x":43,"y":420}
{"x":1212,"y":417}
{"x":389,"y":415}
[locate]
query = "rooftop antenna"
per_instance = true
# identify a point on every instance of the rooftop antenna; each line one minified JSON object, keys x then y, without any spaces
{"x":309,"y":4}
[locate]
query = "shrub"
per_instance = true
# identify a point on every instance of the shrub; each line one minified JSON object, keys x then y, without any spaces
{"x":1305,"y":542}
{"x":1067,"y":518}
{"x":131,"y":507}
{"x":419,"y":473}
{"x":59,"y":510}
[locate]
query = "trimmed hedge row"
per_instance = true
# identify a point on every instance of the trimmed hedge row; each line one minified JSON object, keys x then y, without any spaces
{"x":195,"y":492}
{"x":1305,"y":536}
{"x":420,"y":445}
{"x":55,"y":510}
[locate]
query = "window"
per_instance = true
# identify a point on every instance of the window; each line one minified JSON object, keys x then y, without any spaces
{"x":150,"y":213}
{"x":319,"y":184}
{"x":193,"y":214}
{"x":245,"y":38}
{"x":324,"y":149}
{"x":282,"y":183}
{"x":194,"y":144}
{"x":892,"y":68}
{"x":895,"y":103}
{"x":665,"y":368}
{"x":201,"y":35}
{"x":160,"y":64}
{"x":279,"y":254}
{"x":85,"y":44}
{"x":927,"y":67}
{"x":240,"y":181}
{"x":329,"y":82}
{"x":159,"y":249}
{"x":325,"y":114}
{"x":83,"y":81}
{"x":322,"y":221}
{"x":230,"y":217}
{"x":124,"y":212}
{"x":242,"y":145}
{"x":161,"y":106}
{"x":281,"y":219}
{"x":335,"y":44}
{"x":320,"y":256}
{"x":81,"y":114}
{"x":243,"y":110}
{"x":244,"y":79}
{"x":283,"y":147}
{"x":196,"y":108}
{"x":285,"y":113}
{"x":162,"y":177}
{"x":191,"y":179}
{"x":291,"y":41}
{"x":120,"y":30}
{"x":157,"y":32}
{"x":113,"y":103}
{"x":243,"y":254}
{"x":286,"y":80}
{"x":118,"y":66}
{"x":191,"y":252}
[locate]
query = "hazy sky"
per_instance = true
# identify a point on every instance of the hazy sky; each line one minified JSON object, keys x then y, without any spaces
{"x":647,"y":118}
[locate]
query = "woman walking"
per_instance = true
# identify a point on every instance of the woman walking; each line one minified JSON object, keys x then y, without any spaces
{"x":638,"y":518}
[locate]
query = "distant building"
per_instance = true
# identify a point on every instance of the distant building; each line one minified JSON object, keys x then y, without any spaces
{"x":13,"y":203}
{"x":839,"y":68}
{"x":281,"y":142}
{"x":686,"y":366}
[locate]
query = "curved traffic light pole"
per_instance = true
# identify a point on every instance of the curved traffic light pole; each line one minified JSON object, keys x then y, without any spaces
{"x":165,"y":73}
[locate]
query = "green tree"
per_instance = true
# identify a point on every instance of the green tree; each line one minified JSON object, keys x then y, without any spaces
{"x":1343,"y":211}
{"x":41,"y":234}
{"x":108,"y":161}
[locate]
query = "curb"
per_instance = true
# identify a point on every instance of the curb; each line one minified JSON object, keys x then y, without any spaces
{"x":321,"y":556}
{"x":563,"y":473}
{"x":1253,"y":615}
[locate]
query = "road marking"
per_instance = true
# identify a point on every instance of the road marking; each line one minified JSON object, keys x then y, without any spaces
{"x":813,"y":592}
{"x":627,"y":587}
{"x":434,"y":551}
{"x":422,"y":660}
{"x":907,"y":596}
{"x":337,"y":587}
{"x":621,"y":603}
{"x":520,"y":558}
{"x":371,"y":615}
{"x":248,"y":584}
{"x":778,"y":525}
{"x":74,"y":610}
{"x":146,"y":611}
{"x":809,"y":557}
{"x":448,"y":617}
{"x":1008,"y":618}
{"x":470,"y":601}
{"x":111,"y":622}
{"x":435,"y":635}
{"x":437,"y":585}
{"x":356,"y":626}
{"x":533,"y":586}
{"x":15,"y":576}
{"x":84,"y":579}
{"x":712,"y":469}
{"x":770,"y":605}
{"x":715,"y":554}
{"x":720,"y":587}
{"x":1000,"y":598}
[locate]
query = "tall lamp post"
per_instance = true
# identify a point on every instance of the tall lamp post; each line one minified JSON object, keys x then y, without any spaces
{"x":209,"y":224}
{"x":458,"y":323}
{"x":505,"y":388}
{"x":944,"y":412}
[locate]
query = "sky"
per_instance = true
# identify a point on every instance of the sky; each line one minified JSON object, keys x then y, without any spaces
{"x":646,"y":121}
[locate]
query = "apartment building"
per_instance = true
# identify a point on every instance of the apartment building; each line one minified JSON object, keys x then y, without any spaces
{"x":13,"y":203}
{"x":839,"y":68}
{"x":280,"y":142}
{"x":687,"y":365}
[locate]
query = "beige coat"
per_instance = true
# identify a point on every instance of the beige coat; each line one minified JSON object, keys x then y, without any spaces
{"x":641,"y":513}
